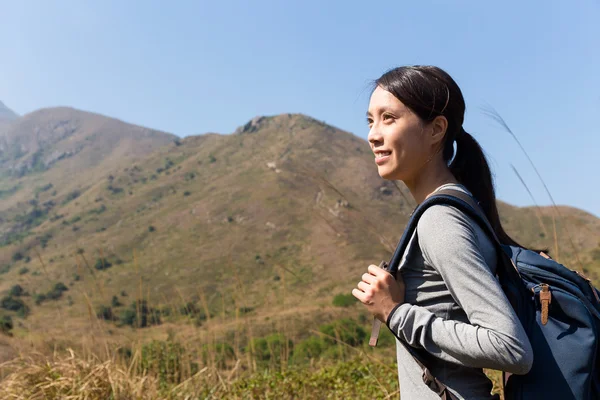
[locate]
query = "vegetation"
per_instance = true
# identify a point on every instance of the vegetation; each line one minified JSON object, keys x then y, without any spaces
{"x":102,"y":263}
{"x":53,"y":294}
{"x":242,"y":257}
{"x":344,"y":300}
{"x":14,"y":304}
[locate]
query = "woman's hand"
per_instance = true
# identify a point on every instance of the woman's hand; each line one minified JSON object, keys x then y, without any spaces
{"x":379,"y":292}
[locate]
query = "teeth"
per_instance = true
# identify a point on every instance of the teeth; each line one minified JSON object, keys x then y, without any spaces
{"x":379,"y":155}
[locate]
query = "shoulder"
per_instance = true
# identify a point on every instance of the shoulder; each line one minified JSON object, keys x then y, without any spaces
{"x":444,"y":220}
{"x":443,"y":229}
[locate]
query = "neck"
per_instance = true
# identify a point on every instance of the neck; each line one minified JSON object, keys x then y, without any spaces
{"x":430,"y":178}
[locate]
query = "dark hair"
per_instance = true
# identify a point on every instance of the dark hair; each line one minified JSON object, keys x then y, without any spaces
{"x":430,"y":92}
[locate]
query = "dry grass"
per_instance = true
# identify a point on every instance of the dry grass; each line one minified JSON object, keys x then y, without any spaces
{"x":73,"y":377}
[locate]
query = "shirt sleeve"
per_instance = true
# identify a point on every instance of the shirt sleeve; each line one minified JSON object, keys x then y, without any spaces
{"x":494,"y":338}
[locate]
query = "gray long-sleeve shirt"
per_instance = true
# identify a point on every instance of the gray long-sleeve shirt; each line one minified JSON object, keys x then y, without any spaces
{"x":455,"y":312}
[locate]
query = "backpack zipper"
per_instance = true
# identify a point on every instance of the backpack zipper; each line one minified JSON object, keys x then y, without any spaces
{"x":545,"y":300}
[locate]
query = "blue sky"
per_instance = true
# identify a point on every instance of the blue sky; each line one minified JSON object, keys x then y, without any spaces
{"x":196,"y":67}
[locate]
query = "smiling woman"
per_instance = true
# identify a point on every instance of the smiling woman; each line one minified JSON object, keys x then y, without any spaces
{"x":446,"y":303}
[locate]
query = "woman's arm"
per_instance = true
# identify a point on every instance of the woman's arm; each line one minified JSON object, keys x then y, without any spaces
{"x":494,"y":338}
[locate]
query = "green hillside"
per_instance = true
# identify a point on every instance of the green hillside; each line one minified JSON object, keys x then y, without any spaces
{"x":106,"y":227}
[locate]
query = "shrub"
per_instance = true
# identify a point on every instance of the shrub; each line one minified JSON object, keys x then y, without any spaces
{"x":187,"y":193}
{"x":140,"y":315}
{"x":114,"y":189}
{"x":102,"y":263}
{"x":219,"y":354}
{"x":39,"y":298}
{"x":167,"y":361}
{"x":12,"y":304}
{"x":56,"y":292}
{"x":105,"y":313}
{"x":44,"y":239}
{"x":270,"y":350}
{"x":6,"y":324}
{"x":151,"y":228}
{"x":23,"y":271}
{"x":309,"y":348}
{"x":16,"y":291}
{"x":345,"y":330}
{"x":72,"y":196}
{"x":344,"y":300}
{"x":17,"y":256}
{"x":115,"y":302}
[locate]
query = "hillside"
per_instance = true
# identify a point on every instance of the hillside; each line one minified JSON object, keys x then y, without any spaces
{"x":6,"y":115}
{"x":264,"y":225}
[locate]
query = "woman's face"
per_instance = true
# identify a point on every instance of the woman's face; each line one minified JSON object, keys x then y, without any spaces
{"x":396,"y":137}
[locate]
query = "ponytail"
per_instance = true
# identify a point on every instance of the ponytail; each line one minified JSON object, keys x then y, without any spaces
{"x":471,"y":169}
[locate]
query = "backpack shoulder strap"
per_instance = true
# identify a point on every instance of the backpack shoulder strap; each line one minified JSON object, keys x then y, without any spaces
{"x":456,"y":198}
{"x":469,"y":206}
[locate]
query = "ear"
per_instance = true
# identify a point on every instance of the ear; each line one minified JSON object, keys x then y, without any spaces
{"x":437,"y":130}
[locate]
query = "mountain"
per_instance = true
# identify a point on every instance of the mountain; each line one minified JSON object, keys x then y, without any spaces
{"x":271,"y":221}
{"x":6,"y":114}
{"x":86,"y":141}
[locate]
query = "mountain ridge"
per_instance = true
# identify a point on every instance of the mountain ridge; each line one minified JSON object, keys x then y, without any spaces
{"x":286,"y":201}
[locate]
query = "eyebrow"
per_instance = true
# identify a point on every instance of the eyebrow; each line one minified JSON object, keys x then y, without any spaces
{"x":379,"y":110}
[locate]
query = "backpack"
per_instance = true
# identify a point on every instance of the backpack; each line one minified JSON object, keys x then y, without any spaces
{"x":558,"y":308}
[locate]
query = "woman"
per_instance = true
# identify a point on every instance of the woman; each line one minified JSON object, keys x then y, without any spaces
{"x":446,"y":301}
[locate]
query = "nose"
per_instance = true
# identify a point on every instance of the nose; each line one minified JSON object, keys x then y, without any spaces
{"x":374,"y":136}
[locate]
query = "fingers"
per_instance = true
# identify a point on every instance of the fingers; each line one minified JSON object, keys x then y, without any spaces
{"x":365,"y":287}
{"x":369,"y":278}
{"x":379,"y":272}
{"x":360,"y":295}
{"x":375,"y":270}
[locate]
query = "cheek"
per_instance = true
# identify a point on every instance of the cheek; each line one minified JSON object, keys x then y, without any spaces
{"x":408,"y":145}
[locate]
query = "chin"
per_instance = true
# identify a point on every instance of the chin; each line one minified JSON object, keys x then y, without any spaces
{"x":390,"y":174}
{"x":386,"y":174}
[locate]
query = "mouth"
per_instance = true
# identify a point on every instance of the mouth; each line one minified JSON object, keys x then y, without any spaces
{"x":382,"y":156}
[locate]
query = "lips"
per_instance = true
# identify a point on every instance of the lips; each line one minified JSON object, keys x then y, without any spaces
{"x":382,"y":156}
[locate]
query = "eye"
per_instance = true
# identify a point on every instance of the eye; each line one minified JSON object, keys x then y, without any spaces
{"x":387,"y":117}
{"x":369,"y":121}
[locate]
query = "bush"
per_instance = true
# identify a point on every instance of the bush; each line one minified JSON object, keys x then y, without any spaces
{"x":39,"y":298}
{"x":56,"y":292}
{"x":105,"y":313}
{"x":23,"y":271}
{"x":12,"y":304}
{"x":16,"y":291}
{"x":221,"y":355}
{"x":344,"y":300}
{"x":167,"y":361}
{"x":271,"y":350}
{"x":44,"y":239}
{"x":53,"y":294}
{"x":102,"y":263}
{"x":308,"y":349}
{"x":151,"y":228}
{"x":140,"y":315}
{"x":115,"y":302}
{"x":345,"y":330}
{"x":17,"y":256}
{"x":114,"y":189}
{"x":72,"y":196}
{"x":6,"y":324}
